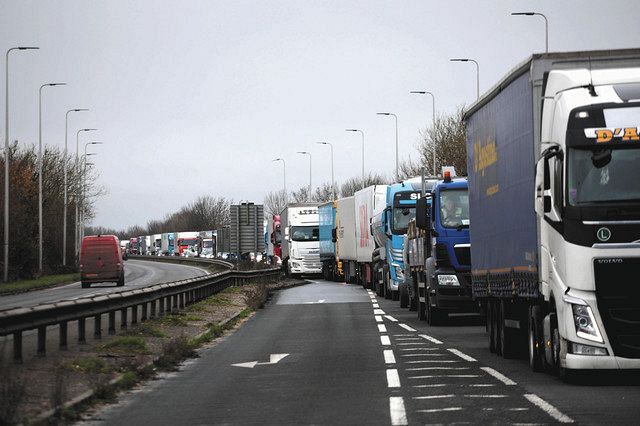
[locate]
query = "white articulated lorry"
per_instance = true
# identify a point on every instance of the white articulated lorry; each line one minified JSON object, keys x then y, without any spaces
{"x":301,"y":243}
{"x":346,"y":255}
{"x":368,"y":202}
{"x":554,"y":184}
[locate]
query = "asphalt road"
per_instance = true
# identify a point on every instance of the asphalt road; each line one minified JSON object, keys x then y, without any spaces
{"x":138,"y":273}
{"x":329,"y":353}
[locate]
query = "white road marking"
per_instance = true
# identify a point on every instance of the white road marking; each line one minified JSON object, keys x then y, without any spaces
{"x":402,"y":335}
{"x":431,"y":339}
{"x":397,"y":411}
{"x":462,"y":355}
{"x":389,"y":358}
{"x":314,"y":303}
{"x":376,"y":306}
{"x":439,"y":410}
{"x":435,"y":385}
{"x":378,"y":318}
{"x":378,"y":312}
{"x":456,"y":376}
{"x":518,"y":409}
{"x":382,"y":328}
{"x":406,"y":327}
{"x":390,"y":318}
{"x":486,"y":396}
{"x":411,"y":343}
{"x":385,"y":340}
{"x":418,"y":349}
{"x":548,"y":408}
{"x":374,"y":301}
{"x":482,"y":385}
{"x":436,"y":368}
{"x":406,"y":339}
{"x":393,"y":379}
{"x":504,"y":379}
{"x":427,"y":354}
{"x":435,"y":396}
{"x":273,"y":359}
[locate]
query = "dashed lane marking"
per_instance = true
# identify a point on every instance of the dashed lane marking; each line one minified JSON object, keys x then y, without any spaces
{"x":417,"y":349}
{"x":390,"y":318}
{"x":440,"y":410}
{"x":436,"y":368}
{"x":406,"y":327}
{"x":393,"y":379}
{"x":504,"y":379}
{"x":378,"y":312}
{"x":435,"y":385}
{"x":485,"y":396}
{"x":410,"y":343}
{"x":548,"y":408}
{"x":431,"y":339}
{"x":382,"y":328}
{"x":403,"y":335}
{"x":378,"y":318}
{"x":423,"y":354}
{"x":406,"y":339}
{"x":385,"y":340}
{"x":453,"y":376}
{"x":389,"y":358}
{"x":435,"y":396}
{"x":376,"y":306}
{"x":462,"y":355}
{"x":397,"y":411}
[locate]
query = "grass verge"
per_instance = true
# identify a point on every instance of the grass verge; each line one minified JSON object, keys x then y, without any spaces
{"x":42,"y":282}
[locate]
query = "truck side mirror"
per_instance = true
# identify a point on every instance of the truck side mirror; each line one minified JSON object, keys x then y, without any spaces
{"x":286,"y":233}
{"x":423,"y":219}
{"x":547,"y":203}
{"x":334,"y":236}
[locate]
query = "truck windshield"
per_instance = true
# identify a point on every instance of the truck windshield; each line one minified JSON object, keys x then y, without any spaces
{"x":401,"y":218}
{"x":615,"y":181}
{"x":207,"y":244}
{"x":304,"y":233}
{"x":603,"y":159}
{"x":187,"y":241}
{"x":454,"y":208}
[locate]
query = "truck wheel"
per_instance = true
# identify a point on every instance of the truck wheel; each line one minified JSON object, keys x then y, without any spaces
{"x":285,"y":266}
{"x":422,"y":310}
{"x":434,"y":316}
{"x":493,"y":325}
{"x":508,"y":336}
{"x":395,"y":295}
{"x":414,"y":301}
{"x":497,"y":316}
{"x":385,"y":282}
{"x":378,"y":282}
{"x":535,"y":342}
{"x":404,"y":297}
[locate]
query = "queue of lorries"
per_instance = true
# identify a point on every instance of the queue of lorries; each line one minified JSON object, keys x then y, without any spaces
{"x":187,"y":244}
{"x":543,"y":236}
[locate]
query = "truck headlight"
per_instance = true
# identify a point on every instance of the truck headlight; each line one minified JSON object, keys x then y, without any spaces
{"x":586,"y":326}
{"x":448,"y":280}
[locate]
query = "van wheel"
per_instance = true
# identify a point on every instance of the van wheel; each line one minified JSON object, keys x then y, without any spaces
{"x":121,"y":281}
{"x":86,"y":285}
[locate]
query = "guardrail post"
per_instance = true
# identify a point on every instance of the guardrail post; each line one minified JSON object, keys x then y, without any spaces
{"x":42,"y":340}
{"x":175,"y":302}
{"x":17,"y":347}
{"x":161,"y":307}
{"x":63,"y":335}
{"x":97,"y":327}
{"x":167,"y":304}
{"x":134,"y":314}
{"x":154,"y":304}
{"x":82,"y":338}
{"x":181,"y":304}
{"x":112,"y":322}
{"x":123,"y":318}
{"x":143,"y":314}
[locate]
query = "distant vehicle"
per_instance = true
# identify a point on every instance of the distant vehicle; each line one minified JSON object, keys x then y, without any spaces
{"x":124,"y":248}
{"x":301,"y":246}
{"x":167,"y":244}
{"x":208,"y":248}
{"x":191,"y":251}
{"x":184,"y":240}
{"x":133,"y":246}
{"x":101,"y":260}
{"x":156,"y":244}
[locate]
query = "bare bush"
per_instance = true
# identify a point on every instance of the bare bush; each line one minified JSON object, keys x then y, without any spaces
{"x":255,"y":296}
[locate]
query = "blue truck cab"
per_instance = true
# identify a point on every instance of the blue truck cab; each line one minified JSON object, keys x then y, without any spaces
{"x":389,"y":228}
{"x":327,"y":236}
{"x":442,"y":280}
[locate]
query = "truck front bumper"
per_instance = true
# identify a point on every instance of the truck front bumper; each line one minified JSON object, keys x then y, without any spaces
{"x":587,"y":362}
{"x":452,"y":298}
{"x":299,"y":266}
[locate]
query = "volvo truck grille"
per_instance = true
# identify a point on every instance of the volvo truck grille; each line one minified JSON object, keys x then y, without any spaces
{"x":618,"y":295}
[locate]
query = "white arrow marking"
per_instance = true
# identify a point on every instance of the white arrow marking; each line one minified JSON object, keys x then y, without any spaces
{"x":313,"y":303}
{"x":273,"y":359}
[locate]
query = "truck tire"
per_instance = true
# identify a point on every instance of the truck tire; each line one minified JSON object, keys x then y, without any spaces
{"x":422,"y":310}
{"x":285,"y":266}
{"x":404,"y":296}
{"x":385,"y":282}
{"x":395,"y":295}
{"x":497,"y":315}
{"x":377,"y":275}
{"x":508,"y":336}
{"x":434,"y":316}
{"x":414,"y":301}
{"x":493,"y":325}
{"x":535,"y":339}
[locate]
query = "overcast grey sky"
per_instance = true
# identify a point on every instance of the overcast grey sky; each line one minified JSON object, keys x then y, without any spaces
{"x":197,"y":97}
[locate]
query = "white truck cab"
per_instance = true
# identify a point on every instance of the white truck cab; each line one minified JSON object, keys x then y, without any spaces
{"x":301,"y":243}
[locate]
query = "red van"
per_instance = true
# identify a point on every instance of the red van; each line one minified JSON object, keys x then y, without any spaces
{"x":101,"y":260}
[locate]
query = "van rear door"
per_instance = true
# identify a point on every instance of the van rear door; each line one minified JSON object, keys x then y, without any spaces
{"x":100,"y":259}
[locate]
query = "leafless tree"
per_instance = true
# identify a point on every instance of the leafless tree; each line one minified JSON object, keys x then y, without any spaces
{"x":275,"y":202}
{"x":324,"y":193}
{"x":301,"y":195}
{"x":350,"y":186}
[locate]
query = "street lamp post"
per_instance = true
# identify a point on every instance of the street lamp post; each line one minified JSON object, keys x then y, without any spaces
{"x":546,"y":26}
{"x":397,"y":164}
{"x":333,"y":182}
{"x":284,"y":178}
{"x":84,"y":185}
{"x":361,"y":134}
{"x":6,"y":162}
{"x":64,"y":214}
{"x":77,"y":225}
{"x":40,"y":160}
{"x":309,"y":154}
{"x":477,"y":72}
{"x":433,"y":122}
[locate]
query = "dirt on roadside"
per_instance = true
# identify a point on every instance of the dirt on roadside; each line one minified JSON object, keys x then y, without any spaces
{"x":91,"y":374}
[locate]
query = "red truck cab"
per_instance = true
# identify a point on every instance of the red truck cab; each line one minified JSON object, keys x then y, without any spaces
{"x":101,"y":260}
